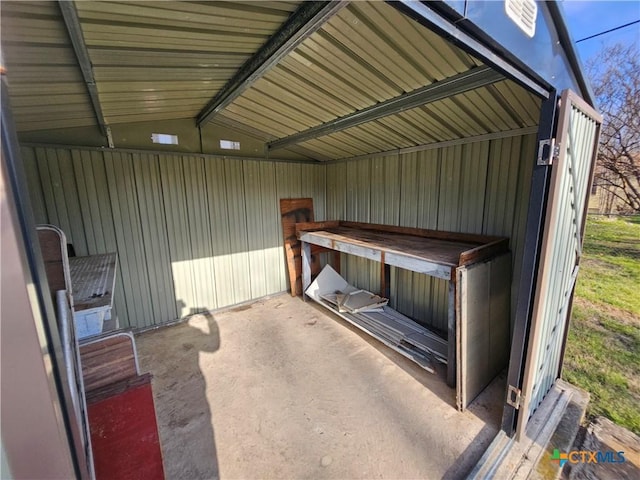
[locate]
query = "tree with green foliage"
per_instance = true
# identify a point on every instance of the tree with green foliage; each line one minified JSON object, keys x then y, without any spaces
{"x":615,"y":78}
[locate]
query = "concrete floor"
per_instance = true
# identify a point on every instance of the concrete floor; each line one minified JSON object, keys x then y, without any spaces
{"x":283,"y":389}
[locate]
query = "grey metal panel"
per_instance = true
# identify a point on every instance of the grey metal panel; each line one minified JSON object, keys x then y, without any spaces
{"x":450,"y":207}
{"x":337,"y":191}
{"x":97,"y":216}
{"x":85,"y":204}
{"x":305,"y":20}
{"x":68,"y":189}
{"x":518,"y":230}
{"x":452,"y":86}
{"x":320,"y":192}
{"x":431,"y":293}
{"x":483,"y":318}
{"x":508,"y":182}
{"x":403,"y":286}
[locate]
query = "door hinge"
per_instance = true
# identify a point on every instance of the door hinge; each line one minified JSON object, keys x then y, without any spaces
{"x":548,"y":151}
{"x":514,"y":397}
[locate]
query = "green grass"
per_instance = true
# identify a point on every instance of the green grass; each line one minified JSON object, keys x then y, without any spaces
{"x":603,"y":347}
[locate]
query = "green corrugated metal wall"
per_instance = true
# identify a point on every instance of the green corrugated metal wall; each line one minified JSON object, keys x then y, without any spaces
{"x":480,"y":187}
{"x":192,"y":232}
{"x":199,"y":232}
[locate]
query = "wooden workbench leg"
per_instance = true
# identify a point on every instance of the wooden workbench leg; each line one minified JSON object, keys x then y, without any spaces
{"x":336,"y":260}
{"x":452,"y":339}
{"x":385,"y":280}
{"x":306,"y":266}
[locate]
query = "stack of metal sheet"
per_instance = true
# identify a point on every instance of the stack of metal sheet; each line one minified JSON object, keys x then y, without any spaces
{"x":382,"y":322}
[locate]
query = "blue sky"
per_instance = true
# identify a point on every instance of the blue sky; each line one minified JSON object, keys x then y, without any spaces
{"x":588,"y":17}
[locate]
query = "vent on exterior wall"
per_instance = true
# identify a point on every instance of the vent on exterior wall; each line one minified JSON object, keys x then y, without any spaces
{"x":164,"y":138}
{"x":229,"y":145}
{"x":524,"y":14}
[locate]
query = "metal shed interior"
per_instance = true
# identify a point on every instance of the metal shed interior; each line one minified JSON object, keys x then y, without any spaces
{"x":202,"y":232}
{"x":370,"y":113}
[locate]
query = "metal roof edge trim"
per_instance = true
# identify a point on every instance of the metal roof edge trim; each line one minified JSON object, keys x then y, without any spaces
{"x":572,"y":54}
{"x":447,"y":143}
{"x":431,"y":17}
{"x":211,"y":156}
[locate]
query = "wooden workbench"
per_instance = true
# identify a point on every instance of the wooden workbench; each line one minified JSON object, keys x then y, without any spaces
{"x":477,"y":268}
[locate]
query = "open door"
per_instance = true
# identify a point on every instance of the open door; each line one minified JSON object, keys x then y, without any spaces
{"x":572,"y":170}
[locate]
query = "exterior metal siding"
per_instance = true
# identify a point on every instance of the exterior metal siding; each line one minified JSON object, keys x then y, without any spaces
{"x":192,"y":232}
{"x":565,"y":249}
{"x":479,"y":187}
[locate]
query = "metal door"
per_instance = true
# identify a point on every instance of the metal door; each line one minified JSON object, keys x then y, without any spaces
{"x":572,"y":173}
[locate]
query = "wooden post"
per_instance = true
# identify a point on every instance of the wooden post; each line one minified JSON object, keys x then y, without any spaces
{"x":336,"y":260}
{"x":385,"y":278}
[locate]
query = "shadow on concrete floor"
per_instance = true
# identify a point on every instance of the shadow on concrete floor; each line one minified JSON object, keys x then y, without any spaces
{"x":185,"y":422}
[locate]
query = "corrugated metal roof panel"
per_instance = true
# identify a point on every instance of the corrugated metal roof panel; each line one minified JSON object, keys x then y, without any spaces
{"x":468,"y":114}
{"x":368,"y":53}
{"x":45,"y":84}
{"x":165,"y":60}
{"x":365,"y":54}
{"x":164,"y":47}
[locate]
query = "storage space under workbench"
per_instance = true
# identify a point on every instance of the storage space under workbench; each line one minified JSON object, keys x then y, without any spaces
{"x":476,"y":267}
